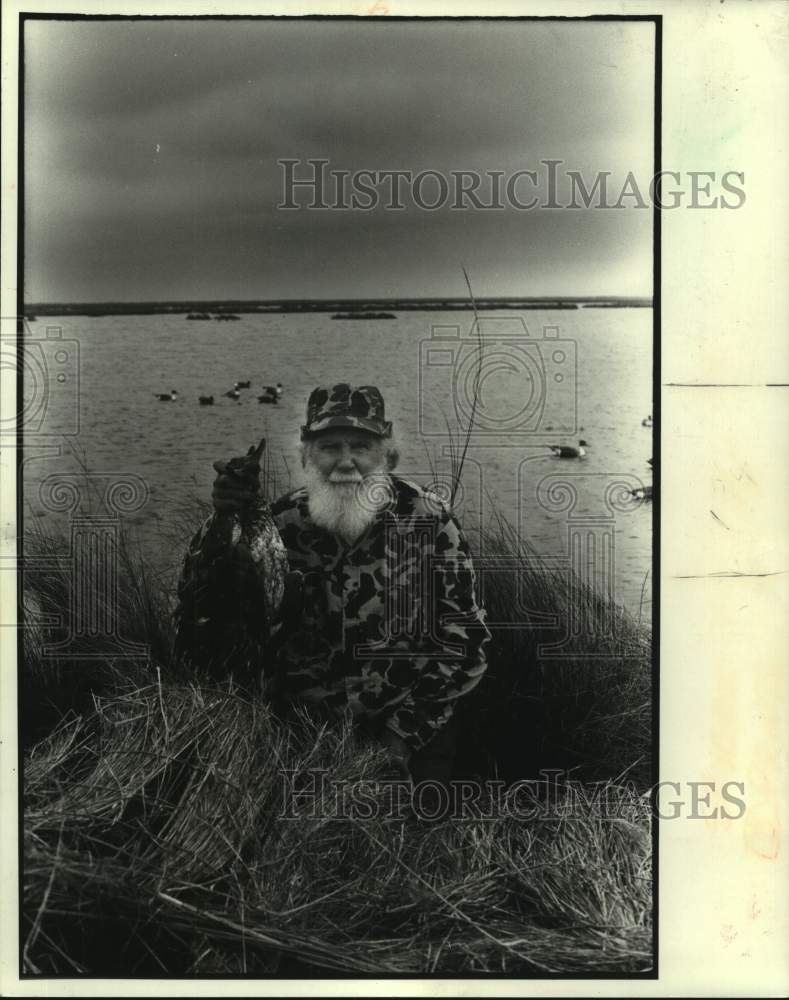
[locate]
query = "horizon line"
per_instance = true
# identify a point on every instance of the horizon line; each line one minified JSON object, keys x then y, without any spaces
{"x":337,"y":300}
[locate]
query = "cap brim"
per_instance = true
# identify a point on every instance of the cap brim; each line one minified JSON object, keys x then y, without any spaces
{"x":370,"y":424}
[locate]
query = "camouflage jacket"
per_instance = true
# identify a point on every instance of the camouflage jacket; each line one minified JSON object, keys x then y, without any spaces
{"x":389,"y":627}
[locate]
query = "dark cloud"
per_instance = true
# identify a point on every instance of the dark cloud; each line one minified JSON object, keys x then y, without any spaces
{"x":153,"y":147}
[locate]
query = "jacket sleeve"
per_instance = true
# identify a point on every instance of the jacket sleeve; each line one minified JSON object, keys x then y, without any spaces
{"x":457,"y":623}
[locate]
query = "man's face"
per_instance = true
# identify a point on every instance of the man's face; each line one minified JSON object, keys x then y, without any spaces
{"x":346,"y":455}
{"x":342,"y":468}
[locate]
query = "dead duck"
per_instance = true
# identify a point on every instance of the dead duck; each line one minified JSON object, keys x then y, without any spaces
{"x":227,"y":628}
{"x":568,"y":451}
{"x":206,"y":400}
{"x":167,"y":397}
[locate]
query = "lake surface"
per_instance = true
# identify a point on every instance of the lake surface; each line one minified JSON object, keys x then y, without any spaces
{"x":546,"y":377}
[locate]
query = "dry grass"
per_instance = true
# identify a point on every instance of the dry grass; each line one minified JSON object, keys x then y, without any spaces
{"x":154,"y":843}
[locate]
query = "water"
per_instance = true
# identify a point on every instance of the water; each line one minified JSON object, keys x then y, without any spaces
{"x":602,"y":397}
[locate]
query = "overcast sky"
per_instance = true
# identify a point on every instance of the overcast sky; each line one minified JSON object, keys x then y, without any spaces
{"x":152,"y":147}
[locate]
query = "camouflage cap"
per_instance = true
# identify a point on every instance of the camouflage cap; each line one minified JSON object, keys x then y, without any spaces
{"x":344,"y":405}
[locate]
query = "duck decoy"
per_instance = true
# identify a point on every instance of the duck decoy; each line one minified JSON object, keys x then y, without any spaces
{"x":568,"y":451}
{"x":167,"y":397}
{"x":206,"y":400}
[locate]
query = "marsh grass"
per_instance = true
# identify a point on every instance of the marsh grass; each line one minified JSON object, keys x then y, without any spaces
{"x":153,"y":837}
{"x":554,"y":697}
{"x":153,"y":845}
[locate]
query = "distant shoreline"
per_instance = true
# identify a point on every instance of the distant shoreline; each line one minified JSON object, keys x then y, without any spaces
{"x":36,"y":309}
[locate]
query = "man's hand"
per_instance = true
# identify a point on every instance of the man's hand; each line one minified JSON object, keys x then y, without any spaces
{"x":237,"y":483}
{"x":231,"y":494}
{"x":399,"y":749}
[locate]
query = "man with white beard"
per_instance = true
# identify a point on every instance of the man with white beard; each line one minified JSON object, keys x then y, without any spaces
{"x":389,"y":627}
{"x":345,"y":469}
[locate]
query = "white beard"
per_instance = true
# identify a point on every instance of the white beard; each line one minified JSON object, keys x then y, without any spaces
{"x":345,"y":508}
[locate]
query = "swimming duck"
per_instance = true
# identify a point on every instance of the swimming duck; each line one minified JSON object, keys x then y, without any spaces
{"x":206,"y":400}
{"x":270,"y":395}
{"x":647,"y":421}
{"x":279,"y":389}
{"x":233,"y":393}
{"x":242,"y":385}
{"x":167,"y":397}
{"x":567,"y":451}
